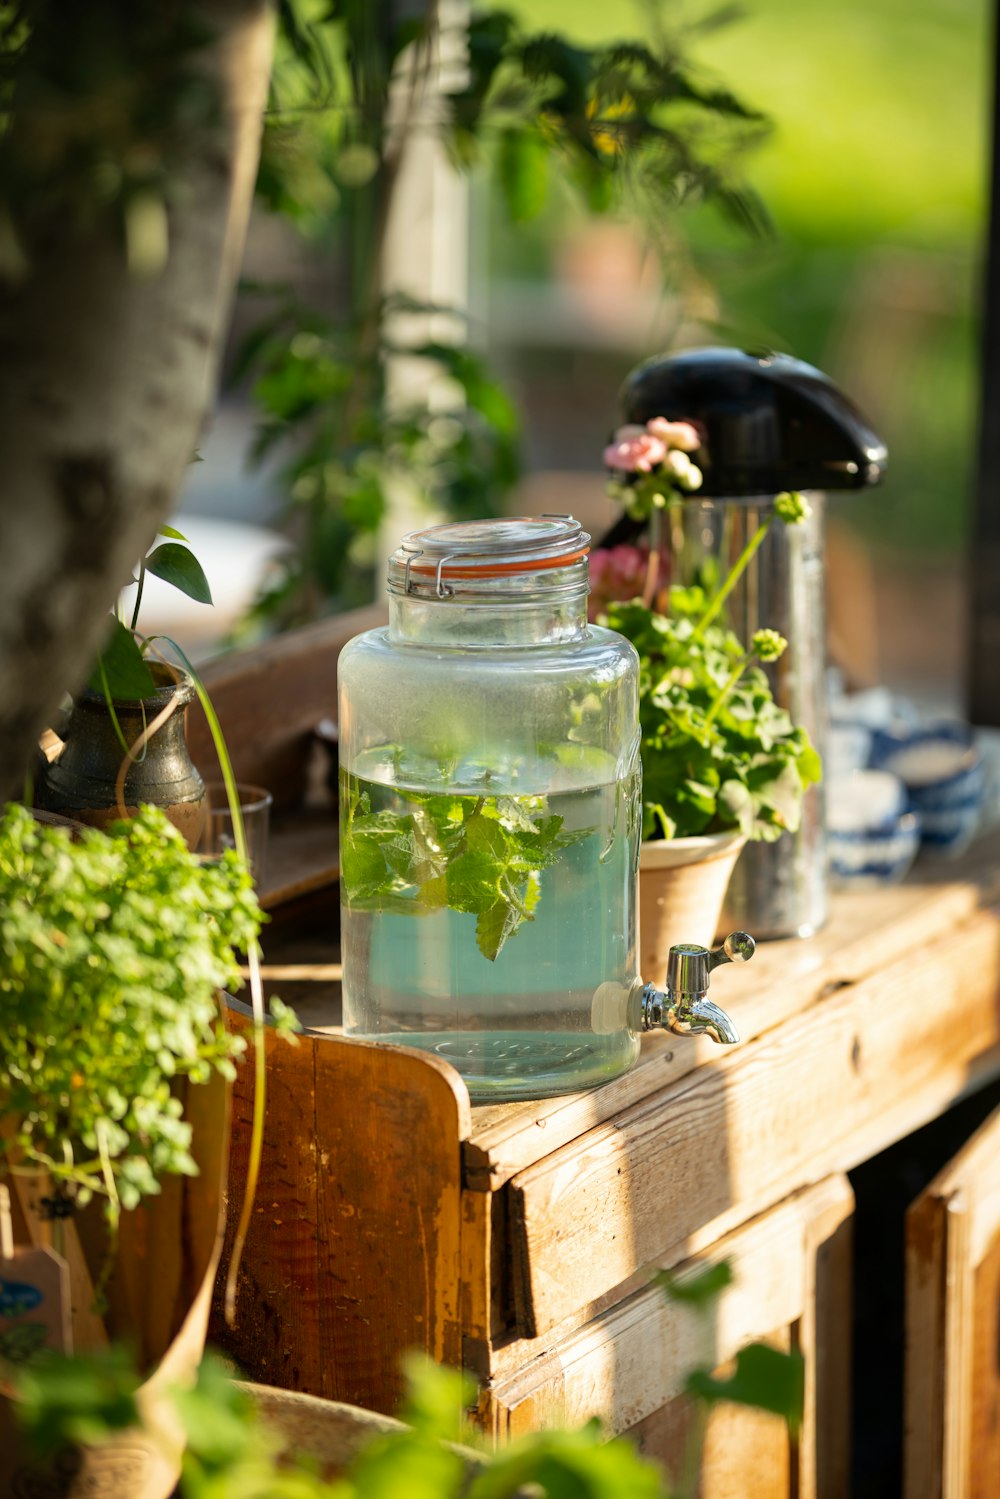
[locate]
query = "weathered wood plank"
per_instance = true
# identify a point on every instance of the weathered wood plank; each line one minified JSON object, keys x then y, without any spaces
{"x":861,"y":1068}
{"x":303,"y":855}
{"x":740,"y":1453}
{"x":277,"y":1307}
{"x":628,"y":1364}
{"x":823,"y":1335}
{"x":866,"y":931}
{"x":354,"y":1255}
{"x":268,"y":700}
{"x":952,"y":1385}
{"x":984,"y":1478}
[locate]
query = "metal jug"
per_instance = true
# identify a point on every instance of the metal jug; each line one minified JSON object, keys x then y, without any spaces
{"x":769,"y":423}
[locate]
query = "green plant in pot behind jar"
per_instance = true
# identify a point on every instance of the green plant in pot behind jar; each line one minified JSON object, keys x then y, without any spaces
{"x":721,"y":761}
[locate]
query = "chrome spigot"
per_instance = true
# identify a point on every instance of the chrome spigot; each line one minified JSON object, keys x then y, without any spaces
{"x":682,"y":1007}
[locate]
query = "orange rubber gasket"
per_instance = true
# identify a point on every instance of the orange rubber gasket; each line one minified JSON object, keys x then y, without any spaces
{"x":498,"y":569}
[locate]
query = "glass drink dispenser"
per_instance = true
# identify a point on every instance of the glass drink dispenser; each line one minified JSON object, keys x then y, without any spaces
{"x":490,"y":814}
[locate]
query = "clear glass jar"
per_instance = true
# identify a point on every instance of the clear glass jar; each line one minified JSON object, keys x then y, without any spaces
{"x":489,"y":805}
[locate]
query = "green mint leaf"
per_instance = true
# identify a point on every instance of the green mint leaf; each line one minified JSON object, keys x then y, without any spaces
{"x":179,"y":566}
{"x":362,"y":868}
{"x":172,"y":531}
{"x":126,"y":675}
{"x":473,"y":882}
{"x":511,"y":815}
{"x":764,"y":1378}
{"x":701,"y":1288}
{"x":494,"y":926}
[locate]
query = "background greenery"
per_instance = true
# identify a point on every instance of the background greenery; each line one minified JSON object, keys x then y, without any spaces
{"x":875,"y":179}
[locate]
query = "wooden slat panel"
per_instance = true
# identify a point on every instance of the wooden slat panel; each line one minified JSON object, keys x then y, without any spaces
{"x":354,"y":1252}
{"x":984,"y":1479}
{"x":740,"y":1453}
{"x":825,"y":1328}
{"x":269,"y":698}
{"x":865,"y":1066}
{"x":629,"y":1362}
{"x":866,"y":931}
{"x":952,"y":1387}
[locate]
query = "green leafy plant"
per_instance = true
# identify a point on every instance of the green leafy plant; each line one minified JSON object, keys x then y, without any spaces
{"x":231,"y":1453}
{"x":633,"y":129}
{"x":482,"y":855}
{"x":122,"y":669}
{"x":717,"y":752}
{"x":115,"y":948}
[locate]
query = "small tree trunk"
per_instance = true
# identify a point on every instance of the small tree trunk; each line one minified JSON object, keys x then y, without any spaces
{"x":106,"y":376}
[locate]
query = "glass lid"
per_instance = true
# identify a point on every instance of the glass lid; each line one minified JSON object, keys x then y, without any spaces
{"x":429,"y":561}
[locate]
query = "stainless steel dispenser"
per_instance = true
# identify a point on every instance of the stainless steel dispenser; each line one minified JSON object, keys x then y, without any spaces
{"x":769,"y":423}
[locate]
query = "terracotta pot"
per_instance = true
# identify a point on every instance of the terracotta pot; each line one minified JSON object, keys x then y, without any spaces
{"x":159,"y":1299}
{"x":682,"y":885}
{"x":331,"y":1433}
{"x":76,"y":776}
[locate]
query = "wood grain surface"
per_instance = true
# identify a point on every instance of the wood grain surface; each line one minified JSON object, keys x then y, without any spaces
{"x":269,"y":699}
{"x":629,"y":1365}
{"x":952,"y":1387}
{"x":865,"y":933}
{"x":354,"y":1254}
{"x":864,"y":1066}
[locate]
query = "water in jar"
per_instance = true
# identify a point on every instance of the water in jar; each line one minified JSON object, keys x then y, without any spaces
{"x":484,"y":924}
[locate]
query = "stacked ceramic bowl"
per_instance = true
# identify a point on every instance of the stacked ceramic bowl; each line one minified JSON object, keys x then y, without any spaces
{"x":872,"y":835}
{"x":944,"y":775}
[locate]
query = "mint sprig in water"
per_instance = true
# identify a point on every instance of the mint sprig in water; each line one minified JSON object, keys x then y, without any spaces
{"x":479,"y":855}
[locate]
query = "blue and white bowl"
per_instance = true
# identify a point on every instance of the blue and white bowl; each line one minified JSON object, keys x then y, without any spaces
{"x":877,"y":856}
{"x":872,"y":838}
{"x":945,"y":779}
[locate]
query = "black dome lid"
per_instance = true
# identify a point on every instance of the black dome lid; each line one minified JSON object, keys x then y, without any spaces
{"x":768,"y":422}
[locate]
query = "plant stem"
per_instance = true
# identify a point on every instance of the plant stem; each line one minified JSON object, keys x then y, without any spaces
{"x":138,"y":595}
{"x":731,"y":681}
{"x":256,"y":998}
{"x":653,"y":561}
{"x":737,"y":571}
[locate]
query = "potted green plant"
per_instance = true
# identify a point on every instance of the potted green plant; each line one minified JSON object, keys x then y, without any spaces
{"x":721,"y":762}
{"x":123,"y":742}
{"x":114,"y":1064}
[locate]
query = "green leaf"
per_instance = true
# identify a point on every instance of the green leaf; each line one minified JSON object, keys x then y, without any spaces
{"x":523,"y":171}
{"x":494,"y":926}
{"x":172,"y":531}
{"x":125,"y":674}
{"x":764,"y":1378}
{"x":179,"y":566}
{"x":699,"y":1289}
{"x":83,"y":1399}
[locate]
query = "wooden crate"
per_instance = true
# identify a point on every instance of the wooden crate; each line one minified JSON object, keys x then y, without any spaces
{"x":392,"y":1215}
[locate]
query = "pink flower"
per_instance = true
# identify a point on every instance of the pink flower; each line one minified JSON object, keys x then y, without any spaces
{"x":634,"y":451}
{"x":680,"y":435}
{"x":619,"y":573}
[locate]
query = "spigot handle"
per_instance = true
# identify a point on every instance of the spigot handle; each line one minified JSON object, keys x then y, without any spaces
{"x":688,"y":966}
{"x":739,"y":947}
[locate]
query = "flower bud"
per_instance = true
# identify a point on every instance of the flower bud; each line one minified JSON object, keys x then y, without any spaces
{"x":768,"y":645}
{"x":791,"y":508}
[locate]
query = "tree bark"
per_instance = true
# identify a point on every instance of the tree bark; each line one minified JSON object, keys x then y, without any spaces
{"x":106,"y":378}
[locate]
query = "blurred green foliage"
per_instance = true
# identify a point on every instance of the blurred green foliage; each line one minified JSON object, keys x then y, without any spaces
{"x":875,"y":178}
{"x":625,"y":127}
{"x":231,"y":1455}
